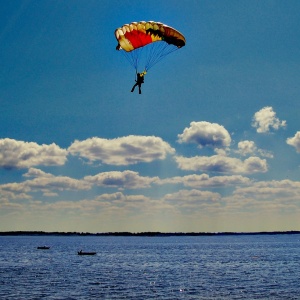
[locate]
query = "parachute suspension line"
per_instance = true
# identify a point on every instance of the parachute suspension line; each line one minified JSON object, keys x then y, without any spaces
{"x":156,"y":52}
{"x":149,"y":55}
{"x":137,"y":54}
{"x":133,"y":57}
{"x":128,"y":57}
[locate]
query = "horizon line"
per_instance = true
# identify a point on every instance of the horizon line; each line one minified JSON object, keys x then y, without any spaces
{"x":145,"y":233}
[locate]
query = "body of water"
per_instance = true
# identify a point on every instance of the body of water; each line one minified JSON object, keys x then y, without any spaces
{"x":175,"y":267}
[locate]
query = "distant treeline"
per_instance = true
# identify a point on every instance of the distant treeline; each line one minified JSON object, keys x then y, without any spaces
{"x":149,"y":234}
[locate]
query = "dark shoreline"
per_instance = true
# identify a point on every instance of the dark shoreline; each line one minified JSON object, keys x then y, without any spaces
{"x":148,"y":234}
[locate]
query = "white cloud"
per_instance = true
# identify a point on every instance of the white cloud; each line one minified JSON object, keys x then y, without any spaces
{"x":126,"y":179}
{"x":284,"y":189}
{"x":249,"y":148}
{"x":246,"y":147}
{"x":206,"y":134}
{"x":259,"y":199}
{"x":35,"y":173}
{"x":43,"y":182}
{"x":222,"y":164}
{"x":203,"y":180}
{"x":265,"y":119}
{"x":12,"y":191}
{"x":295,"y":141}
{"x":267,"y":199}
{"x":47,"y":182}
{"x":121,"y":199}
{"x":122,"y":151}
{"x":19,"y":154}
{"x":184,"y":197}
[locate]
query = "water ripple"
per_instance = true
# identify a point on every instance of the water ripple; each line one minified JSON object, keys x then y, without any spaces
{"x":229,"y":267}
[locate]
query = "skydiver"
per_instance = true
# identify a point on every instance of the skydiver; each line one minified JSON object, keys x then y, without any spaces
{"x":139,"y":81}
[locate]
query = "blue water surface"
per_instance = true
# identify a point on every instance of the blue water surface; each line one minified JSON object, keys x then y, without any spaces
{"x":175,"y":267}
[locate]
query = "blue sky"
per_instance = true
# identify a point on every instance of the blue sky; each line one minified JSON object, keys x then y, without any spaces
{"x":211,"y":144}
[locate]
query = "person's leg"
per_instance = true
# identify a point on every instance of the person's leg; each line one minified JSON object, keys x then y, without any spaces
{"x":133,"y":87}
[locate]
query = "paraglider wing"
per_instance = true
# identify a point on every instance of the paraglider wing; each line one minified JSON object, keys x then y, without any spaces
{"x":136,"y":35}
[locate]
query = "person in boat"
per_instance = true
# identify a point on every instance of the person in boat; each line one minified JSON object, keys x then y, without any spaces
{"x":139,"y":81}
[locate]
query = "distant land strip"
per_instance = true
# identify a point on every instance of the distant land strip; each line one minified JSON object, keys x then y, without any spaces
{"x":149,"y":234}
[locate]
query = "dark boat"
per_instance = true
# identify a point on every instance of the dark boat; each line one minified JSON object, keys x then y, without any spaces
{"x":43,"y":247}
{"x":86,"y":253}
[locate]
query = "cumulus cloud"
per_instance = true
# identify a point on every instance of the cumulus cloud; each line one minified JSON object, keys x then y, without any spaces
{"x":265,"y":119}
{"x":265,"y":197}
{"x":246,"y":147}
{"x":19,"y":154}
{"x":206,"y":134}
{"x":249,"y":148}
{"x":120,"y":198}
{"x":184,"y":197}
{"x":284,"y":189}
{"x":295,"y":141}
{"x":222,"y":164}
{"x":126,"y":179}
{"x":45,"y":183}
{"x":203,"y":180}
{"x":122,"y":151}
{"x":35,"y":173}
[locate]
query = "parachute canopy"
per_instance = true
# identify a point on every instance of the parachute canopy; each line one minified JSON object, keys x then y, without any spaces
{"x":133,"y":38}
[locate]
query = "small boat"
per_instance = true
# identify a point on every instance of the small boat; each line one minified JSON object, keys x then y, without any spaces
{"x":43,"y":247}
{"x":86,"y":253}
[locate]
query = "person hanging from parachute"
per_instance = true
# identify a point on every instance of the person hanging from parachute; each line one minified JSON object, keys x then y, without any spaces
{"x":150,"y":41}
{"x":139,"y":81}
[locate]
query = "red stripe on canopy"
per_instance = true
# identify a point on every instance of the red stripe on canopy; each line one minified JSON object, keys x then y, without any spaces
{"x":138,"y":39}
